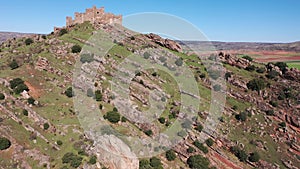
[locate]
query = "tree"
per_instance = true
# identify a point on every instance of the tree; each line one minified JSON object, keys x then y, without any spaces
{"x":272,"y":74}
{"x":209,"y":142}
{"x":62,"y":32}
{"x":240,"y":154}
{"x":31,"y":100}
{"x":93,"y":159}
{"x":162,"y":120}
{"x":14,"y":64}
{"x":282,"y":66}
{"x":250,"y":68}
{"x":155,"y":162}
{"x":198,"y":162}
{"x":46,"y":126}
{"x":25,"y":112}
{"x":148,"y":132}
{"x":179,"y":62}
{"x":282,"y":124}
{"x":74,"y":160}
{"x":2,"y":96}
{"x":254,"y":157}
{"x":98,"y":95}
{"x":113,"y":116}
{"x":28,"y":41}
{"x":190,"y":150}
{"x":59,"y":142}
{"x":248,"y":58}
{"x":256,"y":84}
{"x":199,"y":127}
{"x":76,"y":49}
{"x":200,"y":146}
{"x":270,"y":112}
{"x":242,"y":116}
{"x":20,"y":88}
{"x":260,"y":70}
{"x":170,"y":155}
{"x":69,"y":92}
{"x":15,"y":82}
{"x":144,"y":164}
{"x":4,"y":143}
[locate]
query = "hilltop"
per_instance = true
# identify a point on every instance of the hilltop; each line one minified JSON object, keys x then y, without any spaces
{"x":9,"y":35}
{"x":54,"y":114}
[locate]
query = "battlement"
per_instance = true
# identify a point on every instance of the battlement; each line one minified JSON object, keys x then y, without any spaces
{"x":93,"y":15}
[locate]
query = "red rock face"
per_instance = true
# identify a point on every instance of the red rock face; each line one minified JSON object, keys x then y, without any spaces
{"x":168,"y":43}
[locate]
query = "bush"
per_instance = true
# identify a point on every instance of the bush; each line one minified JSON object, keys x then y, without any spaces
{"x":20,"y":88}
{"x":74,"y":160}
{"x":76,"y":49}
{"x":31,"y":100}
{"x":250,"y":68}
{"x":198,"y":162}
{"x":199,"y":127}
{"x":46,"y":126}
{"x":240,"y":154}
{"x":59,"y":142}
{"x":228,"y":75}
{"x":254,"y":157}
{"x":282,"y":124}
{"x":270,"y":112}
{"x":256,"y":84}
{"x":28,"y":41}
{"x":69,"y":92}
{"x":190,"y":150}
{"x":162,"y":120}
{"x":113,"y":116}
{"x":200,"y":146}
{"x":98,"y":95}
{"x":148,"y":132}
{"x":179,"y":62}
{"x":146,"y":55}
{"x":209,"y":142}
{"x":242,"y":116}
{"x":4,"y":143}
{"x":2,"y":96}
{"x":62,"y":32}
{"x":14,"y":64}
{"x":123,"y":119}
{"x":15,"y":82}
{"x":86,"y":58}
{"x":93,"y":159}
{"x":282,"y":66}
{"x":155,"y":162}
{"x":170,"y":155}
{"x":273,"y":103}
{"x":248,"y":58}
{"x":25,"y":112}
{"x":272,"y":74}
{"x":260,"y":70}
{"x":144,"y":164}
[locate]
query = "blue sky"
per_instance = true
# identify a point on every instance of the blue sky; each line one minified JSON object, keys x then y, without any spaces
{"x":220,"y":20}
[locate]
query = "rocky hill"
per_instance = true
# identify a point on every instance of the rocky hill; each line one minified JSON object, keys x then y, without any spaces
{"x":64,"y":104}
{"x":9,"y":35}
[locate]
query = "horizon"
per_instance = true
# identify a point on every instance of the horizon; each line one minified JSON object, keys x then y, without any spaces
{"x":278,"y":21}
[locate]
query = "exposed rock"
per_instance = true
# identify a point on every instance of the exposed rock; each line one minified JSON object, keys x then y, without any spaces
{"x":168,"y":43}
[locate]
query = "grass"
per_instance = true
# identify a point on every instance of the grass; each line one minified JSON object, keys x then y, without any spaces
{"x":294,"y":64}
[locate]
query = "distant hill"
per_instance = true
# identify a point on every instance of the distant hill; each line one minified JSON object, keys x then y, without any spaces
{"x":295,"y":46}
{"x":8,"y":35}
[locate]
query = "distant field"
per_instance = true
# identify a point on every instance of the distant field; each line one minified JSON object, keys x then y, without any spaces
{"x":294,"y":64}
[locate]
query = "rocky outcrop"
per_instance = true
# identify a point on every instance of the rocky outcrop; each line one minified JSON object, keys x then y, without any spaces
{"x":168,"y":43}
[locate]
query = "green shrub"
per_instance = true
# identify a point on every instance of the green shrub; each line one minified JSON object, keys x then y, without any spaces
{"x":282,"y":124}
{"x":198,"y":162}
{"x":62,"y":32}
{"x":250,"y":68}
{"x":4,"y":143}
{"x":242,"y":116}
{"x":46,"y":126}
{"x":2,"y":96}
{"x":282,"y":66}
{"x":15,"y":82}
{"x":170,"y":155}
{"x":74,"y":160}
{"x":190,"y":150}
{"x":209,"y":142}
{"x":248,"y":58}
{"x":144,"y":164}
{"x":254,"y":157}
{"x":155,"y":162}
{"x":69,"y":92}
{"x":270,"y":112}
{"x":162,"y":120}
{"x":28,"y":41}
{"x":149,"y":132}
{"x":272,"y":74}
{"x":90,"y":92}
{"x":146,"y":55}
{"x":240,"y":154}
{"x":20,"y":88}
{"x":14,"y":64}
{"x":261,"y":70}
{"x":59,"y":142}
{"x":217,"y":87}
{"x":98,"y":95}
{"x":200,"y":146}
{"x":93,"y":159}
{"x":273,"y":103}
{"x":199,"y":127}
{"x":112,"y":116}
{"x":179,"y":62}
{"x":123,"y":119}
{"x":256,"y":84}
{"x":25,"y":112}
{"x":76,"y":49}
{"x":31,"y":100}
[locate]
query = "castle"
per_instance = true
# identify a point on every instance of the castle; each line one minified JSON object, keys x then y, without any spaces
{"x":93,"y":15}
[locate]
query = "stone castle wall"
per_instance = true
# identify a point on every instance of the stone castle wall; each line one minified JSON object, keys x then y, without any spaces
{"x":94,"y":15}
